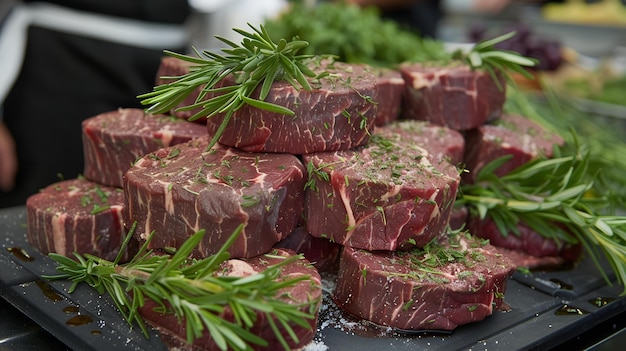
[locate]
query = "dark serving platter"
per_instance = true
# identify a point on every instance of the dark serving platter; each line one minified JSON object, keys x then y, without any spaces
{"x":548,"y":309}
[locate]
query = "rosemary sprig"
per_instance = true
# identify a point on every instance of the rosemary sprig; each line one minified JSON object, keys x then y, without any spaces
{"x":552,"y":196}
{"x":484,"y":55}
{"x":256,"y":61}
{"x":193,"y":291}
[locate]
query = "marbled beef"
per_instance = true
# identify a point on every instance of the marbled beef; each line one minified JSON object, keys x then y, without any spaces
{"x":112,"y":141}
{"x":179,"y":190}
{"x":454,"y":95}
{"x":454,"y":282}
{"x":391,"y":194}
{"x":513,"y":135}
{"x":390,"y":86}
{"x":77,"y":215}
{"x":337,"y":114}
{"x":307,"y":293}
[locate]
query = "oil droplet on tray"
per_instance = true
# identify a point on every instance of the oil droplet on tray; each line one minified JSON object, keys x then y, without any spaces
{"x":70,"y":309}
{"x":78,"y":320}
{"x":20,"y":253}
{"x":48,"y":291}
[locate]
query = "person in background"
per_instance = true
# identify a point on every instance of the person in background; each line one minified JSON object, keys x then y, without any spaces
{"x":63,"y":61}
{"x":424,"y":16}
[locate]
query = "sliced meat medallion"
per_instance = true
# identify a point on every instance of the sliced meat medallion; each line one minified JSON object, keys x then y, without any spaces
{"x":337,"y":114}
{"x":112,"y":141}
{"x":451,"y":283}
{"x":513,"y":135}
{"x":176,"y":191}
{"x":390,"y":194}
{"x":77,"y":215}
{"x":389,"y":96}
{"x":307,"y":293}
{"x":452,"y":95}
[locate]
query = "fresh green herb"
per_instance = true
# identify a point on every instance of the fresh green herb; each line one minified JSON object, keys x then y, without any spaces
{"x":552,"y":197}
{"x":193,"y":290}
{"x":485,"y":56}
{"x":603,"y":137}
{"x":319,"y":174}
{"x":425,"y":262}
{"x":257,"y":61}
{"x":99,"y":208}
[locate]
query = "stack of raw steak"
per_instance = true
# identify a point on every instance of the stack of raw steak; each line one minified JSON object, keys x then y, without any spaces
{"x":85,"y":215}
{"x":364,"y":172}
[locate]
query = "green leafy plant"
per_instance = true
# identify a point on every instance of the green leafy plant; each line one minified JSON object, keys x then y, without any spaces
{"x":193,"y":291}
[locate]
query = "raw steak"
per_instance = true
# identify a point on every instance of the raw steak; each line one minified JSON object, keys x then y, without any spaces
{"x":453,"y":95}
{"x":323,"y":253}
{"x":443,"y":144}
{"x":455,"y":282}
{"x":389,"y":97}
{"x":337,"y":114}
{"x":112,"y":141}
{"x":179,"y":190}
{"x":528,"y":241}
{"x":306,"y":292}
{"x":510,"y":135}
{"x":77,"y":215}
{"x":391,"y":194}
{"x":169,"y":70}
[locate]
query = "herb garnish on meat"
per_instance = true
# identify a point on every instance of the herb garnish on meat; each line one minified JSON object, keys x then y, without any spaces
{"x":193,"y":290}
{"x":257,"y":61}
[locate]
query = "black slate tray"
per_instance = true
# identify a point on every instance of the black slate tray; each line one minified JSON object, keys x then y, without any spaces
{"x":533,"y":321}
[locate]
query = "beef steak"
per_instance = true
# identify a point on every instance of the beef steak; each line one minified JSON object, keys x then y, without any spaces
{"x":453,"y":95}
{"x":513,"y":135}
{"x":390,"y":86}
{"x":337,"y":114}
{"x":390,"y":194}
{"x":446,"y":284}
{"x":112,"y":141}
{"x":179,"y":190}
{"x":77,"y":215}
{"x":307,"y":293}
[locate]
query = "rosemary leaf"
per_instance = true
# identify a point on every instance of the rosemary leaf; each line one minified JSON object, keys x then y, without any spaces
{"x":551,"y":197}
{"x":194,"y":291}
